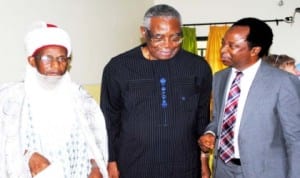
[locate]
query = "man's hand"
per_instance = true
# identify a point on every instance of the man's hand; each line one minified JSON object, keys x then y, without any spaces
{"x":37,"y":163}
{"x":207,"y":142}
{"x":112,"y":169}
{"x":95,"y":172}
{"x":205,"y":170}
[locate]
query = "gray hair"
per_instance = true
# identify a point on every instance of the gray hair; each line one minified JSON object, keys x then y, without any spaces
{"x":160,"y":10}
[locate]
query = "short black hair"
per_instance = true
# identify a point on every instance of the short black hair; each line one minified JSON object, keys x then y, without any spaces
{"x":260,"y":34}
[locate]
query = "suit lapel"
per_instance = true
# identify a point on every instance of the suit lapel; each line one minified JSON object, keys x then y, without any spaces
{"x":220,"y":87}
{"x":259,"y":82}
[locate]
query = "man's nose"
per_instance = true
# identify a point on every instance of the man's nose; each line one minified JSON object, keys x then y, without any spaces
{"x":54,"y":62}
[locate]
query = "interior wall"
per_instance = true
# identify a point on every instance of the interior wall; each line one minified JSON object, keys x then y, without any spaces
{"x":286,"y":35}
{"x":99,"y":29}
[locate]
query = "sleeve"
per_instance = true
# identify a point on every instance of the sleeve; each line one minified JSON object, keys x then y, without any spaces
{"x":94,"y":128}
{"x":289,"y":113}
{"x":204,"y":99}
{"x":212,"y":126}
{"x":2,"y":139}
{"x":110,"y":103}
{"x":12,"y":163}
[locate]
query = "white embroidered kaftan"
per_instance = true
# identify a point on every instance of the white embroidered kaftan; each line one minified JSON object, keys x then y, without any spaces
{"x":58,"y":120}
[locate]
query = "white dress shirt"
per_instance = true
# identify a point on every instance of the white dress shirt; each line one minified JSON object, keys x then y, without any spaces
{"x":245,"y":84}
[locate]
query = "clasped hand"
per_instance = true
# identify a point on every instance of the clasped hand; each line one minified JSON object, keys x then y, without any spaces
{"x":207,"y":142}
{"x":38,"y":163}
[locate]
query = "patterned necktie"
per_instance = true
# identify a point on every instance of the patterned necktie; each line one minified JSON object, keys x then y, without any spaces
{"x":226,"y":140}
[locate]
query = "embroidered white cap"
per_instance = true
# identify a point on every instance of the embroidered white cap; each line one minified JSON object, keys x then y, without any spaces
{"x":42,"y":34}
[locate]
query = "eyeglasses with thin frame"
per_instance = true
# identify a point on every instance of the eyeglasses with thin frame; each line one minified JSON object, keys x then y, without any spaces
{"x":49,"y":58}
{"x":158,"y":39}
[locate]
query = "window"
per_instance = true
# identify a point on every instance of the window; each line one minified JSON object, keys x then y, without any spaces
{"x":201,"y":45}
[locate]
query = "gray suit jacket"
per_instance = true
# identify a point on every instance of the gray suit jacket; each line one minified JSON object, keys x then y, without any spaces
{"x":269,"y":136}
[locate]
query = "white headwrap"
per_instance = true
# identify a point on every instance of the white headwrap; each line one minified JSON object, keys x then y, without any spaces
{"x":42,"y":34}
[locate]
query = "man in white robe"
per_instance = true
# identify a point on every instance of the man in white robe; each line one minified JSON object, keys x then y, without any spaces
{"x":49,"y":125}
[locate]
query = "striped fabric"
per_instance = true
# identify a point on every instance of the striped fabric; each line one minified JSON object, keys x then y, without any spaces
{"x":227,"y":134}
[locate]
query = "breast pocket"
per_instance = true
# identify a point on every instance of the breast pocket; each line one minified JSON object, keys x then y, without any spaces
{"x":187,"y":93}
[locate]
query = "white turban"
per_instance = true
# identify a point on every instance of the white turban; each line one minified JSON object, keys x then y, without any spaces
{"x":43,"y":34}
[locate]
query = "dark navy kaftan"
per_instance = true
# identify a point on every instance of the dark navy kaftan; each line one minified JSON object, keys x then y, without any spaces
{"x":155,"y":112}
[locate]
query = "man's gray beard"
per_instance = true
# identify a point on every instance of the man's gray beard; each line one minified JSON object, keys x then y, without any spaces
{"x":48,"y":82}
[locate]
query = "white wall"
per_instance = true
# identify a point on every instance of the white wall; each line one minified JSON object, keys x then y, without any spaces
{"x":99,"y":29}
{"x":286,"y":36}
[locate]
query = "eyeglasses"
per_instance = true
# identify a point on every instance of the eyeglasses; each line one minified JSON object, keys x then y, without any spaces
{"x":158,"y":39}
{"x":49,"y":58}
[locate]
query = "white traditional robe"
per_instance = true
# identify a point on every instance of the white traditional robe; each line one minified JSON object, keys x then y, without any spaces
{"x":56,"y":118}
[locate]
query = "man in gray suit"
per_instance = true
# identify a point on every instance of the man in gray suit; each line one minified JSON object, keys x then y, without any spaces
{"x":262,"y":137}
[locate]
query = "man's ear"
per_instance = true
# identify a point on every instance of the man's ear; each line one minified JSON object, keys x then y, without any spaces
{"x":31,"y":61}
{"x":143,"y":32}
{"x":255,"y":51}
